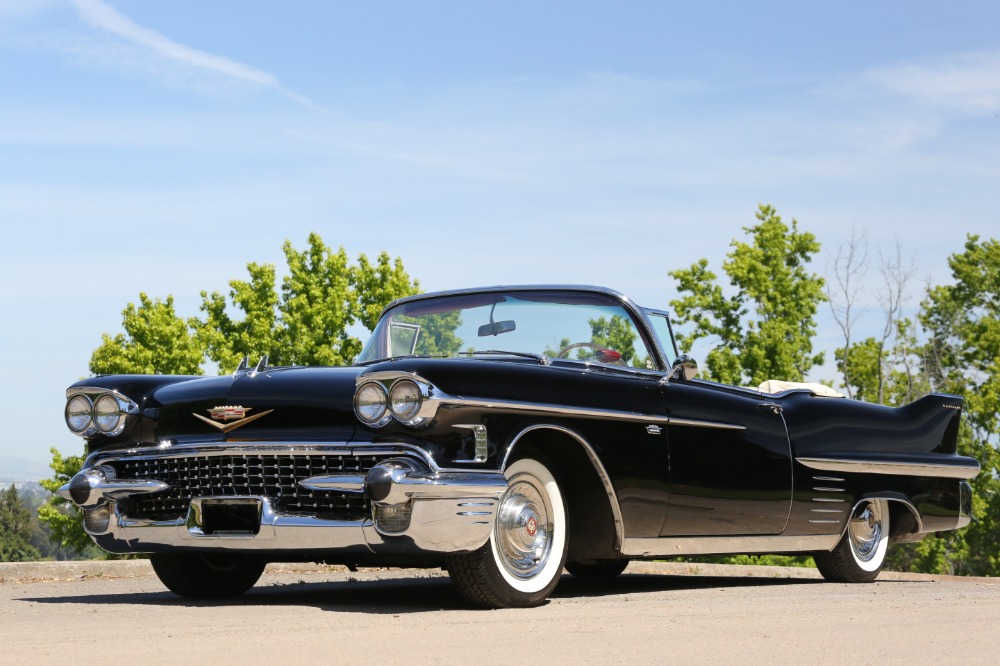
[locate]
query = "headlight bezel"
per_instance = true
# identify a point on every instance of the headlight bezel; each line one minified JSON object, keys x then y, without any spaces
{"x":116,"y":419}
{"x":423,"y":397}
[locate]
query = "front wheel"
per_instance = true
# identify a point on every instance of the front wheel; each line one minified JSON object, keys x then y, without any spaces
{"x":859,"y":556}
{"x":206,"y":576}
{"x":520,"y":565}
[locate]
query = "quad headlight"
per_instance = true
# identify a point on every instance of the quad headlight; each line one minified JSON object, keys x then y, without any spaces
{"x":90,"y":411}
{"x":370,"y":403}
{"x":404,"y":400}
{"x":108,"y":416}
{"x":403,"y":397}
{"x":79,"y":414}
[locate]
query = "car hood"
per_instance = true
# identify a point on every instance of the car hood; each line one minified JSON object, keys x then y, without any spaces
{"x":308,"y":404}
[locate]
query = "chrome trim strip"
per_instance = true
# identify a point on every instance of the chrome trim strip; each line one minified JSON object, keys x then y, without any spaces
{"x":892,"y":467}
{"x":705,"y":424}
{"x":339,"y":484}
{"x":826,"y":522}
{"x":820,"y":489}
{"x":435,"y":399}
{"x":602,"y":474}
{"x":562,"y":410}
{"x":681,"y":546}
{"x":827,"y":499}
{"x":827,"y":510}
{"x":835,"y":479}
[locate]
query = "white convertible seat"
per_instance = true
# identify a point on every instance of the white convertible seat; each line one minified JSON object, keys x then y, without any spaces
{"x":778,"y":386}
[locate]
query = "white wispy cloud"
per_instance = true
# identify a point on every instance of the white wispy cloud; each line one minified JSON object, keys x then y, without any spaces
{"x":106,"y":18}
{"x":968,"y":83}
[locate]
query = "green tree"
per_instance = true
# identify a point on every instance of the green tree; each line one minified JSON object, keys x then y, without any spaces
{"x":766,"y":325}
{"x":62,"y":518}
{"x":15,"y":529}
{"x":377,"y":285}
{"x":156,"y":341}
{"x":226,"y":339}
{"x":962,"y":356}
{"x":886,"y":374}
{"x":307,"y":323}
{"x":310,"y":321}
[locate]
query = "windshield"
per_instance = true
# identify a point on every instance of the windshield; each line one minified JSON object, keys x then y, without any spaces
{"x":574,"y":325}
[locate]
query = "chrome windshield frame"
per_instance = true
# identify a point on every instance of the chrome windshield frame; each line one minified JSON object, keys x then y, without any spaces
{"x":647,"y":333}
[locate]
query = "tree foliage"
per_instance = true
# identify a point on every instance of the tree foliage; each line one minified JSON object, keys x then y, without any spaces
{"x":62,"y":518}
{"x":765,"y":326}
{"x":958,"y":353}
{"x":156,"y":340}
{"x":311,"y":321}
{"x":962,"y":356}
{"x":15,"y":529}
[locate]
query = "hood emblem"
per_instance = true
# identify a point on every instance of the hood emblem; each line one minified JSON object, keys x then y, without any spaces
{"x":229,"y":412}
{"x":234,"y":413}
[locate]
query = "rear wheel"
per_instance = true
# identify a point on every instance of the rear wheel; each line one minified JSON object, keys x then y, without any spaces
{"x":521,"y":563}
{"x":859,"y":556}
{"x":205,"y":576}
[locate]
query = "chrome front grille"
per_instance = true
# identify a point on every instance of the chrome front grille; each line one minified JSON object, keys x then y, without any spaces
{"x":259,"y":475}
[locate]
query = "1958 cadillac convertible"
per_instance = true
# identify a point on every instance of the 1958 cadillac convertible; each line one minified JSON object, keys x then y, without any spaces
{"x":504,"y":433}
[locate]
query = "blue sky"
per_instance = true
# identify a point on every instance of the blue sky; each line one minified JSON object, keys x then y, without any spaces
{"x":159,"y":147}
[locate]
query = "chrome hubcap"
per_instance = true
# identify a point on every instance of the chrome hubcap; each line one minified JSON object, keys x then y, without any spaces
{"x":865,"y":531}
{"x":524,"y":527}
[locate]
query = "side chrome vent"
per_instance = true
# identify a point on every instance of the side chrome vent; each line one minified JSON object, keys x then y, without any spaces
{"x":829,"y":509}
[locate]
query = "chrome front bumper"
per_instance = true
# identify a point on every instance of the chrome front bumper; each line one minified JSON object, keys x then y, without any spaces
{"x":415,"y":509}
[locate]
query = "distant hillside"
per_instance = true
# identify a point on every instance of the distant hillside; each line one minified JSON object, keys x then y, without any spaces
{"x":22,"y":469}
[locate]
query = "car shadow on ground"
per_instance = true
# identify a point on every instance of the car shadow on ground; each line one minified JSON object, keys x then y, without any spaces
{"x":413,"y":595}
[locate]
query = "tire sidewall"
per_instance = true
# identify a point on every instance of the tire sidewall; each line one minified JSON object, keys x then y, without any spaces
{"x":541,"y":584}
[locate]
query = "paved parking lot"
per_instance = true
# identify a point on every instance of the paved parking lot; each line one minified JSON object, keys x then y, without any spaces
{"x":654,"y":613}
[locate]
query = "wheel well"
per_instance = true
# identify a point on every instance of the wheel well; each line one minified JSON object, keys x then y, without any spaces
{"x":903,"y":518}
{"x":592,"y":522}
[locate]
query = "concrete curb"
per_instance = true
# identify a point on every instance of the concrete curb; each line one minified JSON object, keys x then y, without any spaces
{"x":31,"y":572}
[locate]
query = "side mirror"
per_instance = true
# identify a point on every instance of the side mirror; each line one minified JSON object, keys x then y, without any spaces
{"x":684,"y":367}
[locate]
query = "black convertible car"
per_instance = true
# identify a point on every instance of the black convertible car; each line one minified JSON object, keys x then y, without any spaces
{"x":504,"y":433}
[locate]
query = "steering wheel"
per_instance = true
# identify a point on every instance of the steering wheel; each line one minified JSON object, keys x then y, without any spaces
{"x":589,"y":345}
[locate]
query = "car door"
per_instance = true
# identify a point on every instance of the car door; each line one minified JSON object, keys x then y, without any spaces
{"x":730,"y":465}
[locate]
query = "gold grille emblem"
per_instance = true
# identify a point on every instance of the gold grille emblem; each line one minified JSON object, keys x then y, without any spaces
{"x":226,"y":413}
{"x":229,"y":412}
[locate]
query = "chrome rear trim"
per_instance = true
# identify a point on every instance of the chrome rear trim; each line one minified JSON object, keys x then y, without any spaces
{"x":892,"y":467}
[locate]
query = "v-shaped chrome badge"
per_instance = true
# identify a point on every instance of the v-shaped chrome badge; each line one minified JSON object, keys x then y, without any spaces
{"x":227,"y":413}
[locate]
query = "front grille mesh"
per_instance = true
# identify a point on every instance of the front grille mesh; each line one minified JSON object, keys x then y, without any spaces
{"x":266,"y":475}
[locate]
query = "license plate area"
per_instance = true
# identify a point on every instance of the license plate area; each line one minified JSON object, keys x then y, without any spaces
{"x":230,"y":517}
